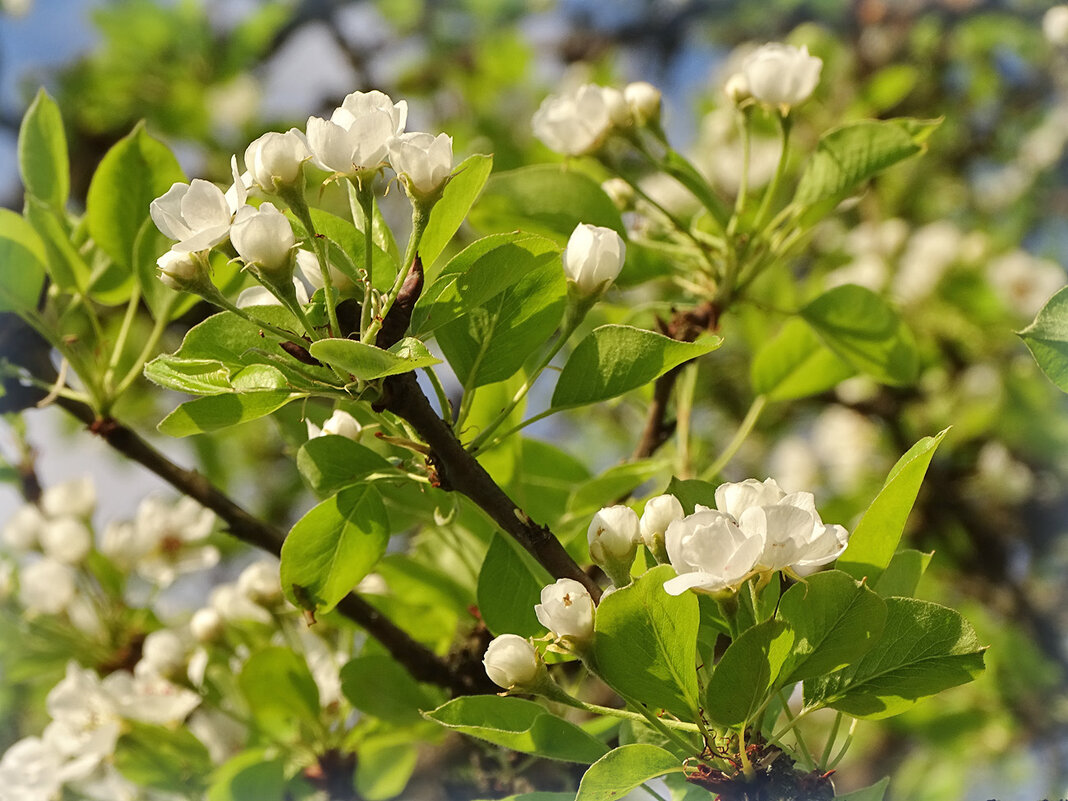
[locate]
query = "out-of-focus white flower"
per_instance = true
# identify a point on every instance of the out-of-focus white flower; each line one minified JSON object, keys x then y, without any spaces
{"x":643,"y":101}
{"x":719,"y":154}
{"x":357,"y":135}
{"x":579,"y":122}
{"x":324,"y":664}
{"x":737,"y":88}
{"x":31,"y":770}
{"x":75,"y":498}
{"x":930,"y":251}
{"x":1055,"y":25}
{"x":85,"y":720}
{"x":16,"y":8}
{"x":221,"y":734}
{"x":264,"y":239}
{"x":1025,"y":282}
{"x":105,"y":783}
{"x":844,"y":442}
{"x":621,"y":192}
{"x":308,"y":265}
{"x":198,"y":214}
{"x":276,"y":159}
{"x":163,"y":541}
{"x":659,"y":513}
{"x":781,"y":75}
{"x":235,"y":607}
{"x":262,"y":296}
{"x":511,"y":661}
{"x":46,"y":587}
{"x":163,"y":653}
{"x":593,"y":257}
{"x":710,"y":552}
{"x":66,"y":539}
{"x":793,"y":460}
{"x":422,"y":160}
{"x":207,"y":624}
{"x":373,"y":584}
{"x":149,"y":698}
{"x":22,"y":531}
{"x":7,"y":579}
{"x":566,"y":609}
{"x":259,"y":582}
{"x":339,"y":424}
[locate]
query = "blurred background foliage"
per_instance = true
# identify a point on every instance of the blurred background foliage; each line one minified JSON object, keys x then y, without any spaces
{"x":959,"y":238}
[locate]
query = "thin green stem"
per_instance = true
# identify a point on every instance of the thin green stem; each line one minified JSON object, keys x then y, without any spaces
{"x":120,"y":340}
{"x":294,"y":196}
{"x":85,"y":373}
{"x":653,"y":792}
{"x":150,"y":345}
{"x":626,"y":714}
{"x":226,"y":304}
{"x":773,"y":187}
{"x":684,"y":396}
{"x":662,"y":727}
{"x":365,"y":195}
{"x":514,"y":429}
{"x":746,"y":117}
{"x":420,"y":218}
{"x":744,"y":430}
{"x":826,"y":755}
{"x":792,"y":721}
{"x":845,"y":746}
{"x":439,"y":391}
{"x":803,"y":750}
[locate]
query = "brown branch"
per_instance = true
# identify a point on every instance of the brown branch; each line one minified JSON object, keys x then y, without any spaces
{"x":458,"y":470}
{"x":421,"y":662}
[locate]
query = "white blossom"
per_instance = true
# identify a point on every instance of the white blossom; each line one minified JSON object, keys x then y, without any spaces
{"x":179,"y":270}
{"x":358,"y":133}
{"x":339,"y":424}
{"x":149,"y":698}
{"x":1055,"y":25}
{"x":613,"y":534}
{"x":163,"y":653}
{"x":22,"y":530}
{"x":221,"y":734}
{"x":710,"y":552}
{"x":1024,"y":282}
{"x":566,"y":609}
{"x":85,"y":720}
{"x":276,"y":159}
{"x":31,"y":770}
{"x":423,"y":160}
{"x":781,"y":75}
{"x":206,"y":624}
{"x":643,"y":101}
{"x":75,"y":498}
{"x":262,"y":296}
{"x":259,"y":582}
{"x":264,"y":238}
{"x":579,"y":122}
{"x":658,"y":514}
{"x":198,"y":214}
{"x":66,"y":539}
{"x":308,"y":265}
{"x":235,"y":607}
{"x":46,"y":587}
{"x":511,"y":661}
{"x":593,"y":257}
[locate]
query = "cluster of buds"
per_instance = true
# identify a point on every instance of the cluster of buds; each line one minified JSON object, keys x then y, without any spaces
{"x":580,"y":122}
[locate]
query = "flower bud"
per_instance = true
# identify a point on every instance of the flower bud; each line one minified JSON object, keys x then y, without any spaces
{"x":737,"y":89}
{"x":66,"y":540}
{"x":593,"y":257}
{"x":206,"y":624}
{"x":781,"y":75}
{"x":423,"y":162}
{"x":659,"y":513}
{"x":23,"y":530}
{"x":566,"y":609}
{"x":621,"y":192}
{"x":342,"y":424}
{"x":613,"y":537}
{"x":512,"y":661}
{"x":182,"y":272}
{"x":275,"y":159}
{"x":264,"y":239}
{"x":162,"y":653}
{"x":75,"y":498}
{"x":46,"y":587}
{"x":579,"y":122}
{"x":259,"y":582}
{"x":643,"y":100}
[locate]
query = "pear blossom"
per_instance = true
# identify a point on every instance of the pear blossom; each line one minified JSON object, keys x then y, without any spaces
{"x":1024,"y":281}
{"x":423,"y":161}
{"x":781,"y":75}
{"x":710,"y":552}
{"x":511,"y":661}
{"x":46,"y":587}
{"x":357,"y":135}
{"x":221,"y":734}
{"x":31,"y":770}
{"x":324,"y":664}
{"x":235,"y":607}
{"x":22,"y":530}
{"x":339,"y":424}
{"x":259,"y":582}
{"x":308,"y":265}
{"x":181,"y":271}
{"x":593,"y":257}
{"x":66,"y":539}
{"x":658,"y":514}
{"x":643,"y":101}
{"x":276,"y":159}
{"x":163,"y":653}
{"x":579,"y":122}
{"x":613,"y":534}
{"x":1055,"y":25}
{"x":264,"y":238}
{"x":198,"y":214}
{"x":206,"y":624}
{"x":262,"y":296}
{"x":75,"y":498}
{"x":620,"y":192}
{"x":566,"y":609}
{"x":149,"y":698}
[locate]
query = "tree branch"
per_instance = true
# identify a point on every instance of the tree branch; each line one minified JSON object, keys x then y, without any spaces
{"x":458,"y":470}
{"x":421,"y":662}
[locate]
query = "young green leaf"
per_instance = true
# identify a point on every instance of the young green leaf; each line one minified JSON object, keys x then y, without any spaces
{"x":872,"y":544}
{"x":42,"y":152}
{"x":23,"y":256}
{"x":796,"y":364}
{"x":367,"y":362}
{"x":217,"y":412}
{"x":615,"y":359}
{"x":331,"y":463}
{"x":280,"y":691}
{"x":456,"y":201}
{"x":334,"y":546}
{"x":193,"y":376}
{"x":160,"y":758}
{"x":377,"y":685}
{"x":385,"y":764}
{"x":1047,"y":339}
{"x":249,"y":776}
{"x":520,"y":725}
{"x":624,"y":768}
{"x":835,"y":621}
{"x":873,"y":792}
{"x":692,"y":491}
{"x":662,"y":672}
{"x":509,"y":584}
{"x":925,"y":649}
{"x":748,"y":670}
{"x":903,"y":574}
{"x":66,"y":267}
{"x":862,"y":328}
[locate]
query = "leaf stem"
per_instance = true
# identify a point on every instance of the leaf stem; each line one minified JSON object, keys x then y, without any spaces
{"x":744,"y":429}
{"x":826,"y":755}
{"x":150,"y":346}
{"x":120,"y":340}
{"x":365,"y":194}
{"x":420,"y":218}
{"x":785,"y":124}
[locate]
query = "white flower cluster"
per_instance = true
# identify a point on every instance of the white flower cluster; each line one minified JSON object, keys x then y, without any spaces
{"x":580,"y":121}
{"x":362,"y":135}
{"x":87,"y":716}
{"x":776,"y":75}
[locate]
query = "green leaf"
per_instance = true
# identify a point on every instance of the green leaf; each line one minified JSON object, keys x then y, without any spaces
{"x":540,"y":797}
{"x":876,"y":537}
{"x":624,"y":768}
{"x":456,"y":201}
{"x":509,"y":584}
{"x":377,"y":685}
{"x":479,"y":273}
{"x":491,"y":342}
{"x":903,"y":574}
{"x":385,"y":765}
{"x":230,"y":339}
{"x":42,"y":152}
{"x":662,"y":672}
{"x":367,"y":362}
{"x":589,"y":496}
{"x":331,"y":463}
{"x":925,"y":649}
{"x":216,"y":412}
{"x":346,"y":247}
{"x":136,"y":171}
{"x":873,"y":792}
{"x":848,"y":156}
{"x":334,"y":546}
{"x":280,"y":691}
{"x":692,"y":491}
{"x":193,"y":376}
{"x":545,"y":199}
{"x":866,"y":332}
{"x":796,"y":364}
{"x":161,"y":758}
{"x":615,"y":359}
{"x":23,"y":259}
{"x":520,"y":725}
{"x":65,"y":264}
{"x":1047,"y":338}
{"x":835,"y":621}
{"x":249,"y":776}
{"x":747,"y":672}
